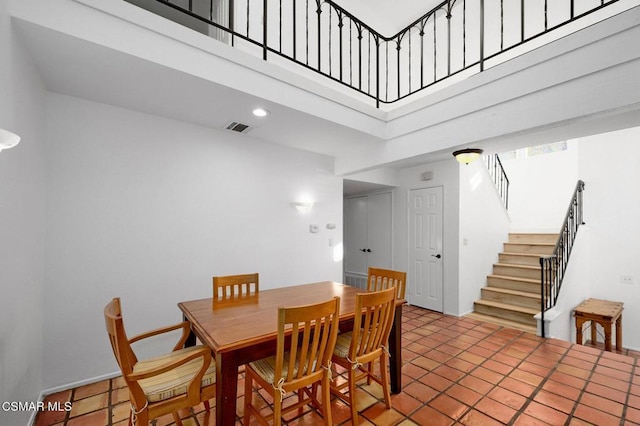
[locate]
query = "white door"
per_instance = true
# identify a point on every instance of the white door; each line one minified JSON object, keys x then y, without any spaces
{"x":355,"y":242}
{"x":425,"y":248}
{"x":367,"y":238}
{"x":379,"y":231}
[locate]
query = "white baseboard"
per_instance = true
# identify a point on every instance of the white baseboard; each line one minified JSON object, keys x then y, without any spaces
{"x":79,"y":383}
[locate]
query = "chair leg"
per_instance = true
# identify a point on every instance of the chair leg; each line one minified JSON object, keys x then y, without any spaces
{"x":207,"y":406}
{"x":352,"y":396}
{"x":326,"y":398}
{"x":277,"y":410}
{"x":176,"y":418}
{"x":248,"y":395}
{"x":384,"y":374}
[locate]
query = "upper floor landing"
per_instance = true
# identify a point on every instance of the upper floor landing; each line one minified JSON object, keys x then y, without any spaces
{"x":114,"y":52}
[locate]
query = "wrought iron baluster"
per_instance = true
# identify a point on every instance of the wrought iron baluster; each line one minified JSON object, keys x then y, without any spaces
{"x":464,"y":34}
{"x":422,"y":54}
{"x":448,"y":16}
{"x":359,"y":57}
{"x":481,"y":35}
{"x":522,"y":20}
{"x":351,"y":52}
{"x":398,"y":60}
{"x":280,"y":26}
{"x":501,"y":24}
{"x":264,"y":29}
{"x":294,"y":29}
{"x":330,"y":42}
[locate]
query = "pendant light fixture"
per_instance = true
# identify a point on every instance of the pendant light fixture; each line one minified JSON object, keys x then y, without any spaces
{"x":467,"y":155}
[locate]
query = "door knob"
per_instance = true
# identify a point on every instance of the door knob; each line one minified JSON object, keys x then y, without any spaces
{"x":436,"y":256}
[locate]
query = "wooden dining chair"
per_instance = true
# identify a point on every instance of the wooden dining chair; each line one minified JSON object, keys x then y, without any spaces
{"x":235,"y":286}
{"x":162,"y":384}
{"x":356,"y":350}
{"x":305,"y":342}
{"x":380,"y":279}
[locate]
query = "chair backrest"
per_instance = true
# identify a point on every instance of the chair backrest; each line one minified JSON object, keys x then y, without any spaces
{"x":380,"y":279}
{"x":235,"y":286}
{"x":371,"y":329}
{"x":314,"y":330}
{"x":125,"y":356}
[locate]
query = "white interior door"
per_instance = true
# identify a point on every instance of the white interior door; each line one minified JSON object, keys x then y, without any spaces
{"x":355,"y":242}
{"x":425,"y":248}
{"x":379,"y":231}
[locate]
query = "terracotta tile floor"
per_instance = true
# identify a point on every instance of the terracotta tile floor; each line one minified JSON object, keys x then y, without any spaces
{"x":456,"y":371}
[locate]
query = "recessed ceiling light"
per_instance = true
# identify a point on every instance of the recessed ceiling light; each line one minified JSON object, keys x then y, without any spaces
{"x":260,"y":112}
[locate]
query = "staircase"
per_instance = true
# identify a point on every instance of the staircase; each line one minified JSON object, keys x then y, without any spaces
{"x":512,"y":295}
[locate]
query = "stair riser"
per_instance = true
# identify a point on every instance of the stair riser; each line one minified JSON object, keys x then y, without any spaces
{"x":513,"y":285}
{"x":533,"y":238}
{"x":533,"y":274}
{"x":519,"y":260}
{"x":511,"y":299}
{"x":505,"y":314}
{"x":528,"y":248}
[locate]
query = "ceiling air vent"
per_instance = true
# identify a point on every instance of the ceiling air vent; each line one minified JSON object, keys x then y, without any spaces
{"x":238,"y":127}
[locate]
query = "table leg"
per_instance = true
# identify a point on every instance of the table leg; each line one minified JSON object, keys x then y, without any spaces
{"x":226,"y":389}
{"x":594,"y":329}
{"x":619,"y":333}
{"x":395,"y":349}
{"x":607,"y":335}
{"x":579,"y":324}
{"x":191,"y":340}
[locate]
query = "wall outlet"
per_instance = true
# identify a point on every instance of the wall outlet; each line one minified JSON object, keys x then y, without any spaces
{"x":626,"y":279}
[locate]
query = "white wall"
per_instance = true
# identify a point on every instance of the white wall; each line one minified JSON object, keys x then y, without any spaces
{"x":148,"y":209}
{"x":484,"y":227}
{"x":611,"y":211}
{"x":22,"y":211}
{"x":445,"y":174}
{"x":607,"y":245}
{"x":540,"y":189}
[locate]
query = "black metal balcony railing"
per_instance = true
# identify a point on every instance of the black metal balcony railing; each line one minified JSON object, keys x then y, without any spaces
{"x":321,"y":36}
{"x":553,"y":267}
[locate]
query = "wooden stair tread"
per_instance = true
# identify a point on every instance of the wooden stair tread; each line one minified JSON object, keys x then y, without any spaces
{"x":513,"y":292}
{"x":503,"y":322}
{"x":515,"y":253}
{"x":530,"y":243}
{"x":509,"y":277}
{"x":519,"y":266}
{"x":508,"y":307}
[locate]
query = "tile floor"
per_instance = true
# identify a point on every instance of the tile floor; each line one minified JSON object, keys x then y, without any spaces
{"x":456,"y":371}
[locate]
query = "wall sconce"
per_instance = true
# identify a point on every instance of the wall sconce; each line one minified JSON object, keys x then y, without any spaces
{"x":303,"y":206}
{"x":8,"y":139}
{"x":467,"y":155}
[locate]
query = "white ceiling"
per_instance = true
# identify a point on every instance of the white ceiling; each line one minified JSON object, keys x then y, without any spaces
{"x":76,"y":67}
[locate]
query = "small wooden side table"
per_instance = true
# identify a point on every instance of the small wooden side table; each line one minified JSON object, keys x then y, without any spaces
{"x":603,"y":312}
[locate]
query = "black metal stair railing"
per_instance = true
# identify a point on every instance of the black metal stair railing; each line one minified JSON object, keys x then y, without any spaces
{"x":321,"y":36}
{"x":554,"y":266}
{"x":499,"y":177}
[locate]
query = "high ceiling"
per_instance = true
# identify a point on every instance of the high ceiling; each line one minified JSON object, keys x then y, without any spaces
{"x":388,"y":16}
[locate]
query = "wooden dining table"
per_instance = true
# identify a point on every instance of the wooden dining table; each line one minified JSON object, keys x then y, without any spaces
{"x":243,"y":330}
